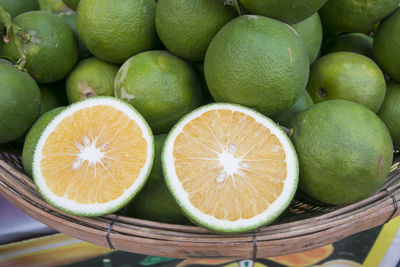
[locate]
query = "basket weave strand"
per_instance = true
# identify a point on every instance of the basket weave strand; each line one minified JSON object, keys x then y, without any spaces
{"x":304,"y":226}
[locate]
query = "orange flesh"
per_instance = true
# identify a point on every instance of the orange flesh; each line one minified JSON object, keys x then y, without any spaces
{"x":248,"y":190}
{"x":118,"y":137}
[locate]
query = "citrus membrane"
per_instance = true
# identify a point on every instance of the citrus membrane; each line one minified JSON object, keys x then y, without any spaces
{"x":230,"y":168}
{"x":93,"y":157}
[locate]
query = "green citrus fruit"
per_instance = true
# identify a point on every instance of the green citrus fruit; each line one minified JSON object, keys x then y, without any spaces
{"x":54,"y":6}
{"x":52,"y":50}
{"x":70,"y":18}
{"x":91,"y":77}
{"x":387,"y":45}
{"x":48,"y":99}
{"x":19,"y":102}
{"x":115,"y":30}
{"x":93,"y":157}
{"x":161,"y":86}
{"x":303,"y":103}
{"x":72,"y":4}
{"x":344,"y":149}
{"x":310,"y":31}
{"x":390,"y":110}
{"x":199,"y":68}
{"x":155,"y":202}
{"x":186,"y":28}
{"x":230,"y":168}
{"x":352,"y":42}
{"x":33,"y":136}
{"x":258,"y":62}
{"x":350,"y":76}
{"x":355,"y":15}
{"x":289,"y":11}
{"x":16,"y":7}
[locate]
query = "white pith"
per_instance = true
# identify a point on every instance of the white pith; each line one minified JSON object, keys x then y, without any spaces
{"x":93,"y":154}
{"x":231,"y":165}
{"x":88,"y":152}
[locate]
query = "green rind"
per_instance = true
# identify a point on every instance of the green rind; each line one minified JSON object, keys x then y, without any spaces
{"x":212,"y":227}
{"x":257,"y":62}
{"x":161,"y":86}
{"x":134,"y":193}
{"x":72,"y":4}
{"x":115,"y":30}
{"x":52,"y":50}
{"x":390,"y":110}
{"x":19,"y":102}
{"x":352,"y":42}
{"x":33,"y":136}
{"x":387,"y":45}
{"x":155,"y":202}
{"x":310,"y":31}
{"x":91,"y":74}
{"x":303,"y":103}
{"x":16,"y":7}
{"x":186,"y":28}
{"x":355,"y":15}
{"x":345,"y":151}
{"x":54,"y":6}
{"x":199,"y":69}
{"x":70,"y":18}
{"x":48,"y":99}
{"x":289,"y":11}
{"x":349,"y":76}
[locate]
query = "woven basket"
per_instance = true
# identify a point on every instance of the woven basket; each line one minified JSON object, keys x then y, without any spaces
{"x":304,"y":226}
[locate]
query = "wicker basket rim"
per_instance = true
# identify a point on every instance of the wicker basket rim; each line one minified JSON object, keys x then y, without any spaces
{"x":160,"y":239}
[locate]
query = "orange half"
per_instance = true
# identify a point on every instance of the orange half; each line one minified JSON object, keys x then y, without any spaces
{"x":231,"y":169}
{"x":93,"y":157}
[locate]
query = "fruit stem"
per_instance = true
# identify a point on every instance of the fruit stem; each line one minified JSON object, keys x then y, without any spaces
{"x":13,"y":32}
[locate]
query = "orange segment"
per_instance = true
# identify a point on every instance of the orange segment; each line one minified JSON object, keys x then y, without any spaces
{"x":101,"y":150}
{"x":232,"y":166}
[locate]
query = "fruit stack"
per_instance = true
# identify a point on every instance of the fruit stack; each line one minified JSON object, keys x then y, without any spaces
{"x":205,"y":111}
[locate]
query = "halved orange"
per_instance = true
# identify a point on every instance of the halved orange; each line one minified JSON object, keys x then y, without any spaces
{"x":230,"y":168}
{"x":93,"y":157}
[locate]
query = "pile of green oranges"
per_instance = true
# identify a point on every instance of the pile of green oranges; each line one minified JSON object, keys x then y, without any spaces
{"x":327,"y":70}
